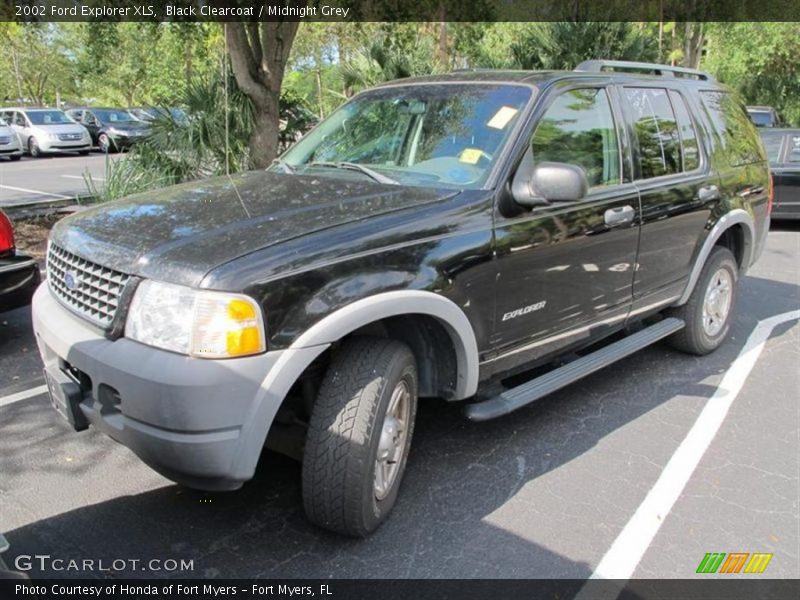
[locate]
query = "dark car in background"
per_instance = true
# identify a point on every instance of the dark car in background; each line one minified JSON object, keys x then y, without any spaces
{"x":151,"y":113}
{"x":783,"y":152}
{"x":19,"y":273}
{"x":112,"y":129}
{"x":764,"y":116}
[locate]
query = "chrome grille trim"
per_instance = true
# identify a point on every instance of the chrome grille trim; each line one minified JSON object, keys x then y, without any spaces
{"x":69,"y":137}
{"x":95,"y":295}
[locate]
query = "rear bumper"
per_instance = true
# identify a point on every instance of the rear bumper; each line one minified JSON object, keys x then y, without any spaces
{"x":198,"y":422}
{"x":19,"y":277}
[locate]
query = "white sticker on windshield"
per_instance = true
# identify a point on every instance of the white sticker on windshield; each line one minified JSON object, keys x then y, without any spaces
{"x":502,"y":117}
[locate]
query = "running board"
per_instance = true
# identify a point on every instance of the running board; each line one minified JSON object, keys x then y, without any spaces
{"x":533,"y":390}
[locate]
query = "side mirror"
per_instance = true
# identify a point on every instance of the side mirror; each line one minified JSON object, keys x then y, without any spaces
{"x":547,"y":182}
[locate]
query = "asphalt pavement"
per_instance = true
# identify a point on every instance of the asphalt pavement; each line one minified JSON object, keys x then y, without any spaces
{"x":605,"y":476}
{"x":52,"y":178}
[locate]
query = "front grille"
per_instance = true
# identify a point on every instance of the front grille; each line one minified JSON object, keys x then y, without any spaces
{"x":87,"y":288}
{"x":69,"y":137}
{"x":4,"y":140}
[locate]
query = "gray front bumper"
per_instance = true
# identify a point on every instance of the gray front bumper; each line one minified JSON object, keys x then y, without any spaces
{"x":198,"y":422}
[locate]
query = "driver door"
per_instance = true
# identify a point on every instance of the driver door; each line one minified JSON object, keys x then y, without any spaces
{"x":565,"y":270}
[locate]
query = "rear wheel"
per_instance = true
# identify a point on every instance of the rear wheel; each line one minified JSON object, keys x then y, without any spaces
{"x":359,"y":436}
{"x":708,"y":313}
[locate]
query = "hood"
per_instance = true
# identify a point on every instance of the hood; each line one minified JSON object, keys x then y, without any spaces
{"x":61,"y":128}
{"x":6,"y":131}
{"x":180,"y":233}
{"x":128,"y":126}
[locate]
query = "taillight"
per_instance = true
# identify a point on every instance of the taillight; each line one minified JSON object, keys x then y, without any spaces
{"x":771,"y":195}
{"x":6,"y":234}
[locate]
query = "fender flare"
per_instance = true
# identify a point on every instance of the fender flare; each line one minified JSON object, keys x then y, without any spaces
{"x":405,"y":302}
{"x":292,"y":361}
{"x":737,"y":216}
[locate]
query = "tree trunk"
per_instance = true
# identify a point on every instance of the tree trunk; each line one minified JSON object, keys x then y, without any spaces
{"x":263,"y":143}
{"x":259,"y":53}
{"x":693,"y":45}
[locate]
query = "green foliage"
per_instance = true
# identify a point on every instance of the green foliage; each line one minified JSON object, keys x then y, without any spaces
{"x":760,"y":60}
{"x":202,"y":146}
{"x":35,"y":63}
{"x":562,"y":45}
{"x":128,"y":64}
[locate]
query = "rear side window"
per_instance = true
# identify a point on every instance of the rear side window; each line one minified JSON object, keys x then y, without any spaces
{"x":734,"y":130}
{"x":772,"y":144}
{"x":578,"y":128}
{"x":690,"y":152}
{"x":794,"y":149}
{"x":656,"y":131}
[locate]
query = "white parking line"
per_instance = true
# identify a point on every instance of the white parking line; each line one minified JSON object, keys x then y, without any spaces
{"x":24,"y":395}
{"x":627,"y":551}
{"x":19,"y":189}
{"x":81,"y":177}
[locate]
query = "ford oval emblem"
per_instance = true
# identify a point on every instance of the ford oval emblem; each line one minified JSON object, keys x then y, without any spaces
{"x":70,"y":280}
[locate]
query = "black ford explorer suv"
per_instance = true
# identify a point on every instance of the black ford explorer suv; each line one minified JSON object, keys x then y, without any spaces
{"x":428,"y":239}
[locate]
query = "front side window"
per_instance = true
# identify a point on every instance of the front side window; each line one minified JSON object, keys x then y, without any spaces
{"x":656,"y":131}
{"x":434,"y":134}
{"x":578,"y":128}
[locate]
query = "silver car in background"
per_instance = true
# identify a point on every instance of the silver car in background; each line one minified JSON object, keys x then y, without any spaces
{"x":45,"y":130}
{"x":9,"y":142}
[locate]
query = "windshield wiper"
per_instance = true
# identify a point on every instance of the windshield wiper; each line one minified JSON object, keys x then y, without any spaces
{"x":372,"y":173}
{"x":287,"y":168}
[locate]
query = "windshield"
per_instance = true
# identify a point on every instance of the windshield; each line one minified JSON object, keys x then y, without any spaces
{"x":417,"y":135}
{"x":48,"y":117}
{"x":761,"y":119}
{"x":113,"y":116}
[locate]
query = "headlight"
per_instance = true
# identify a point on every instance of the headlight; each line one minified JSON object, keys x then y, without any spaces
{"x":115,"y":131}
{"x":53,"y":136}
{"x":200,"y":323}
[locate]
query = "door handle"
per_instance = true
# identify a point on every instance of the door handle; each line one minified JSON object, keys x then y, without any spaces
{"x":708,"y":193}
{"x":614,"y":217}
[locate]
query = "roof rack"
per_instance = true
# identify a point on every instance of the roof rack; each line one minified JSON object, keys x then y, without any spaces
{"x":597,"y":66}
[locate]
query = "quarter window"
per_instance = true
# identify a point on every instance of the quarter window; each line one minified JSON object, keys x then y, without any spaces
{"x":773,"y":144}
{"x":794,"y":149}
{"x":656,"y":131}
{"x":735,"y":131}
{"x":578,"y":128}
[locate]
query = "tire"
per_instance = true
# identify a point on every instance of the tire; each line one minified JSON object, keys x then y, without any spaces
{"x":106,"y":144}
{"x":33,"y":148}
{"x":15,"y":157}
{"x":83,"y":152}
{"x":705,"y":331}
{"x":344,"y":489}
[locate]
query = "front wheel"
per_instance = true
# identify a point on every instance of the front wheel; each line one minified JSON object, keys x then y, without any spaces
{"x":33,"y":148}
{"x":105,"y":144}
{"x":359,"y":435}
{"x":708,"y":313}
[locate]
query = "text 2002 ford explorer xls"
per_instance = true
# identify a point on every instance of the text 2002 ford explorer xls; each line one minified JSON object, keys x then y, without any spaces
{"x":431,"y":237}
